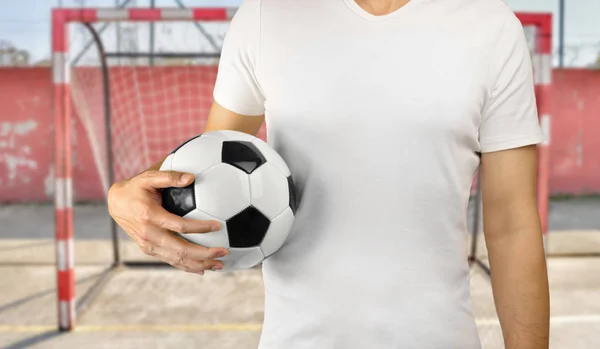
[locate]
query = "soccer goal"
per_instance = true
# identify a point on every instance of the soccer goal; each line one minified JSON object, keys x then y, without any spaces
{"x":129,"y":85}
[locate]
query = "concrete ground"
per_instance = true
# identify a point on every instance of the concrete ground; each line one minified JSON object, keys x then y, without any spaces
{"x":163,"y":308}
{"x":160,"y":308}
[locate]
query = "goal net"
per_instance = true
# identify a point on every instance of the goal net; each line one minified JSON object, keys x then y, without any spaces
{"x":150,"y":110}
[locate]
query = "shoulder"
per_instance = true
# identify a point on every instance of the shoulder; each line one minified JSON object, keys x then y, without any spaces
{"x":503,"y":17}
{"x":488,"y":22}
{"x":248,"y":9}
{"x":494,"y":14}
{"x":483,"y":16}
{"x":503,"y":27}
{"x":245,"y":23}
{"x":258,"y":10}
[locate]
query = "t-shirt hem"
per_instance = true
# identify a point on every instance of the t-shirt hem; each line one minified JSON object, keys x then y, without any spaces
{"x":238,"y":108}
{"x":511,"y":143}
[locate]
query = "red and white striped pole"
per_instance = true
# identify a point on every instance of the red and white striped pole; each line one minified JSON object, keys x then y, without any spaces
{"x":543,"y":80}
{"x":62,"y":173}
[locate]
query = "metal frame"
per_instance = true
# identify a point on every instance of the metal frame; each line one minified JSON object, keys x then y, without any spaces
{"x":122,"y":5}
{"x":542,"y":64}
{"x":63,"y":194}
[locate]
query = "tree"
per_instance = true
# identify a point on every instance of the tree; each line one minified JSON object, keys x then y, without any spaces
{"x":596,"y":64}
{"x":12,"y":56}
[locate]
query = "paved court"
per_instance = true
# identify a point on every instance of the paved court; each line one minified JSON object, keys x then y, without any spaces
{"x":163,"y":308}
{"x":169,"y":309}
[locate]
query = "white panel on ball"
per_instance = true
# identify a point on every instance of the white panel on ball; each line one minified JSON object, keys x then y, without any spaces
{"x":269,"y":191}
{"x":277,"y":233}
{"x":212,"y":239}
{"x":242,"y":258}
{"x":271,"y":156}
{"x":166,"y":165}
{"x":197,"y":155}
{"x":227,"y":135}
{"x":222,"y":191}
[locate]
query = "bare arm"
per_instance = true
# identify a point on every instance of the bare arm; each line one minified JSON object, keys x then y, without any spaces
{"x":513,"y":236}
{"x":220,"y":118}
{"x":135,"y":204}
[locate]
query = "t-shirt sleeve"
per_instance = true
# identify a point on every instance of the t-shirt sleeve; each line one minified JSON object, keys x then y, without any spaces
{"x":237,"y":87}
{"x":510,"y":118}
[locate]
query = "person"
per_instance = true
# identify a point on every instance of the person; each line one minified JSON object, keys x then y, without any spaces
{"x":383,"y":110}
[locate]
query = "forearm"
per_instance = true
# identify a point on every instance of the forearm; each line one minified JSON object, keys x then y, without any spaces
{"x":520,"y":287}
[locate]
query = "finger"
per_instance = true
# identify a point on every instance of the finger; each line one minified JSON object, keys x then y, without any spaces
{"x":161,"y":218}
{"x":194,"y":266}
{"x":165,"y":179}
{"x":164,"y":244}
{"x":175,"y":247}
{"x":183,"y":259}
{"x":197,"y":252}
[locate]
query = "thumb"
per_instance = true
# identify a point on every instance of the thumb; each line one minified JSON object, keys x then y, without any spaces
{"x":166,"y":179}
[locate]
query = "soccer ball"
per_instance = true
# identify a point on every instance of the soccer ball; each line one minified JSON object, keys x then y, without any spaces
{"x":241,"y":182}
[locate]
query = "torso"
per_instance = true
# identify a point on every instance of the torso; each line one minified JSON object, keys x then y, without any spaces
{"x":377,"y":118}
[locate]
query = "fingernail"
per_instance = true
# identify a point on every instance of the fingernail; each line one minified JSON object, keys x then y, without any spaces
{"x":186,"y":178}
{"x":221,"y":254}
{"x":217,"y":267}
{"x":200,"y":273}
{"x":215,"y":227}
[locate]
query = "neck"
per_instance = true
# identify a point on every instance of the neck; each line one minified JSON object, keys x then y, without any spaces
{"x":381,"y":7}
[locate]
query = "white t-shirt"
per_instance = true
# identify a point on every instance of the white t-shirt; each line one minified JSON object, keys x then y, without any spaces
{"x":380,"y":119}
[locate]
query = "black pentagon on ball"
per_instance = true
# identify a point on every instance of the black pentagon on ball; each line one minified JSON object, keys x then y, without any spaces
{"x":243,"y":155}
{"x":247,"y":228}
{"x":292,"y":191}
{"x":179,"y":201}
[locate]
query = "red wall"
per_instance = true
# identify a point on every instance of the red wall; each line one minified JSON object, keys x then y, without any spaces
{"x":25,"y":134}
{"x":179,"y":110}
{"x":575,"y":138}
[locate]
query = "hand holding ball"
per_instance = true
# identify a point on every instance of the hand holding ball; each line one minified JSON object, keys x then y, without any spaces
{"x":241,"y":182}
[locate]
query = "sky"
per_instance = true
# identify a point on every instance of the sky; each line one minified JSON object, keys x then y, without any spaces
{"x":26,"y":23}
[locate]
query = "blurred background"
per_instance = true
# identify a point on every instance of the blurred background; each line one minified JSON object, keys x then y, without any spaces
{"x":130,"y":78}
